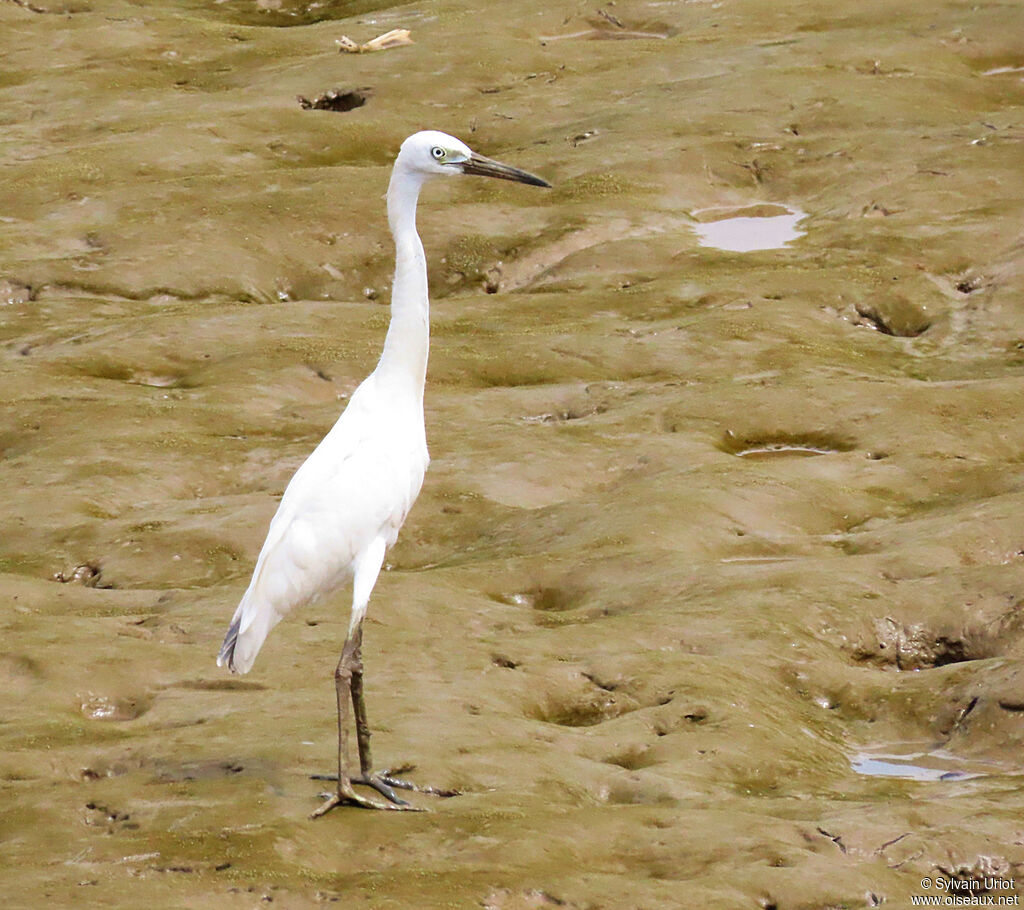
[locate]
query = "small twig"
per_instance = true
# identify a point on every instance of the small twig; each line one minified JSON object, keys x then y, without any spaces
{"x":835,"y":838}
{"x":889,"y":843}
{"x":610,"y":18}
{"x":31,"y":7}
{"x":397,"y":37}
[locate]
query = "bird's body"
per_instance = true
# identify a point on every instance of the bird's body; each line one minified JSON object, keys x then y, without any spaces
{"x":345,"y":505}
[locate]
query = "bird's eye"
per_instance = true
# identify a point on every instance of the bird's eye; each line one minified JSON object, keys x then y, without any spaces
{"x":437,"y":152}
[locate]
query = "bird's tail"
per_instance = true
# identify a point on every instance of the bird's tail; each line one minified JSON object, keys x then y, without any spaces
{"x":242,"y":644}
{"x":227,"y":649}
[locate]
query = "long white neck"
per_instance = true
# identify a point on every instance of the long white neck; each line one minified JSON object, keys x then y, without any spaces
{"x":404,"y":360}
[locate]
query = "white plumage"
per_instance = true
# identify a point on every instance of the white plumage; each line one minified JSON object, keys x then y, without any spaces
{"x":339,"y":514}
{"x":345,"y":505}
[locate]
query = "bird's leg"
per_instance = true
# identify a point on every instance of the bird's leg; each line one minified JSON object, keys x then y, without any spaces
{"x":349,"y":684}
{"x":359,"y":707}
{"x":363,"y":733}
{"x":382,"y":782}
{"x":344,"y":690}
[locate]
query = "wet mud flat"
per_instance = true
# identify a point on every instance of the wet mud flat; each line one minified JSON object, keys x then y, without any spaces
{"x":713,"y":596}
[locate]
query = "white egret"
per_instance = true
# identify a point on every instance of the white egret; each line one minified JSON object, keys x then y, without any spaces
{"x":344,"y":506}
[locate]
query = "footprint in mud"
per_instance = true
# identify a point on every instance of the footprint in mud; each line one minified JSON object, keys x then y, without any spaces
{"x":577,"y":405}
{"x":219,"y":685}
{"x":162,"y":377}
{"x":893,"y":316}
{"x":506,"y":899}
{"x":209,"y":769}
{"x":83,"y":574}
{"x":680,"y":720}
{"x":14,"y":292}
{"x":164,"y":770}
{"x":638,"y":790}
{"x":644,"y":752}
{"x":554,"y":606}
{"x":18,"y":672}
{"x":607,"y":27}
{"x":899,"y":646}
{"x":773,"y":445}
{"x":113,"y":707}
{"x":576,"y":698}
{"x":546,"y":599}
{"x":634,"y":757}
{"x":564,"y":415}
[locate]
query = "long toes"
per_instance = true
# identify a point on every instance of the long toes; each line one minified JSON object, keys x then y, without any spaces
{"x":333,"y":800}
{"x":397,"y":782}
{"x":327,"y":805}
{"x":401,"y":784}
{"x":382,"y":786}
{"x":380,"y":782}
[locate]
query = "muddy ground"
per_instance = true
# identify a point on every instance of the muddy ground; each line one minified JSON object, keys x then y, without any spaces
{"x":706,"y":535}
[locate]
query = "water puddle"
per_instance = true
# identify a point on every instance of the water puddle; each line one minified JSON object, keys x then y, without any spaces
{"x":762,"y":227}
{"x":773,"y":450}
{"x":936,"y":765}
{"x":1003,"y":70}
{"x":783,"y":445}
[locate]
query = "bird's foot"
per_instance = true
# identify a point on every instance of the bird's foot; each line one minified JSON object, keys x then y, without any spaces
{"x":385,"y":783}
{"x":347,"y":796}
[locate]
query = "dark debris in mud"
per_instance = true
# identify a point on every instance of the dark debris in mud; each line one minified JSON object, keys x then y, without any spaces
{"x":338,"y":100}
{"x":176,"y":772}
{"x":969,"y":284}
{"x":97,"y":815}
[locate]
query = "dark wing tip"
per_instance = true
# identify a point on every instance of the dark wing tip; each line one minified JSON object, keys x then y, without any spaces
{"x":227,"y":649}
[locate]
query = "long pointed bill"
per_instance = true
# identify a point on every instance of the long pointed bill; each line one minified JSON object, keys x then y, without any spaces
{"x":485,"y":167}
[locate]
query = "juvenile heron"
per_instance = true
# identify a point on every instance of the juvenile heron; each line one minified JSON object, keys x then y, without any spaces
{"x":343,"y":509}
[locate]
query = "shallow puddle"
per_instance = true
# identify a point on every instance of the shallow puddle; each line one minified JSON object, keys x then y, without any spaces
{"x":783,"y":449}
{"x":935,"y":765}
{"x":740,"y":233}
{"x":1003,"y":70}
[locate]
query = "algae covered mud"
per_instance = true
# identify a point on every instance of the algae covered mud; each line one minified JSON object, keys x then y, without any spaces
{"x":714,"y":593}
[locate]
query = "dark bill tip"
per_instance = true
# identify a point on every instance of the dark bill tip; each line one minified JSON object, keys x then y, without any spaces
{"x":485,"y":167}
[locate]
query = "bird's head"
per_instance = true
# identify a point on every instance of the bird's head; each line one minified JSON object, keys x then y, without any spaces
{"x":431,"y":153}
